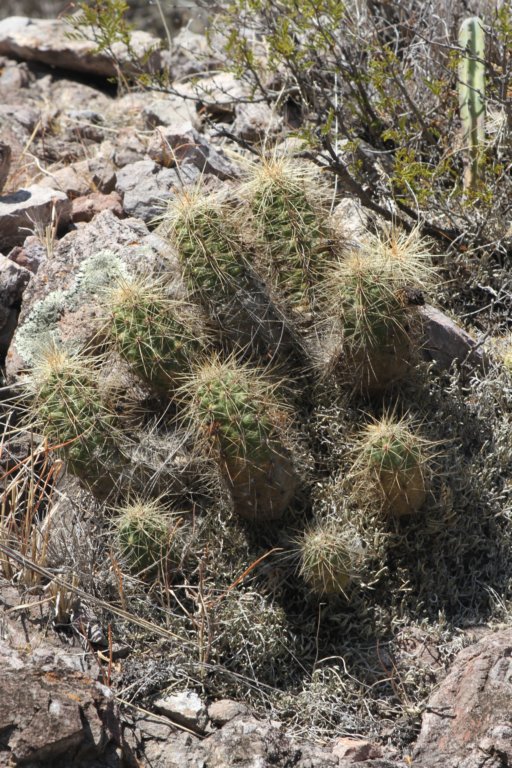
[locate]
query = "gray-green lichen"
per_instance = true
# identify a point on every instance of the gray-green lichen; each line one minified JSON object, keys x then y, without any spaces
{"x":42,"y":324}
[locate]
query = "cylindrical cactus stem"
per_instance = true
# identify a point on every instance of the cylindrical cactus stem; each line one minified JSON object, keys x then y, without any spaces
{"x":241,"y":419}
{"x":65,"y":405}
{"x":471,"y":89}
{"x":217,"y":267}
{"x":156,"y":334}
{"x":370,"y":299}
{"x":289,"y":204}
{"x":392,"y":465}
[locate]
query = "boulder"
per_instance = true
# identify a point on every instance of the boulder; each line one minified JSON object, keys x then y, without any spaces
{"x":58,"y":714}
{"x":25,"y":210}
{"x":48,"y":41}
{"x":467,"y":722}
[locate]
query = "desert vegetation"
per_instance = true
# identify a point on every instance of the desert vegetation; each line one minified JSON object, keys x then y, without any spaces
{"x":328,"y":493}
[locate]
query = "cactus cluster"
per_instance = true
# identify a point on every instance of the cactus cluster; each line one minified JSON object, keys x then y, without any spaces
{"x":225,"y":386}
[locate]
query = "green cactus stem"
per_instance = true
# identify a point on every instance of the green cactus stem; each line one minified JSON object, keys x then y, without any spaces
{"x":242,"y":420}
{"x":471,"y":89}
{"x":288,"y":200}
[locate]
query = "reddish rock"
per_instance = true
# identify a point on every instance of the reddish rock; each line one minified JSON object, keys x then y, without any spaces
{"x":85,"y":208}
{"x":468,"y":721}
{"x":355,"y":750}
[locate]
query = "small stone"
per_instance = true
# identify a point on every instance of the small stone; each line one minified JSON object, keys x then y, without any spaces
{"x":222,"y":711}
{"x":355,"y":750}
{"x":185,"y":708}
{"x":85,"y":208}
{"x":5,"y":163}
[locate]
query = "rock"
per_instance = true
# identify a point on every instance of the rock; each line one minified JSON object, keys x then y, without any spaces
{"x":185,"y":708}
{"x":103,"y":175}
{"x":255,"y":122}
{"x":26,"y":209}
{"x":5,"y":163}
{"x":244,"y":742}
{"x":127,"y":239}
{"x":444,"y":342}
{"x":218,"y":95}
{"x":144,"y":186}
{"x":57,"y":714}
{"x":85,"y":208}
{"x":74,"y":180}
{"x":130,"y":148}
{"x":13,"y":281}
{"x":222,"y":711}
{"x":30,"y":254}
{"x":183,"y":145}
{"x":355,"y":750}
{"x":467,"y":722}
{"x":167,"y":111}
{"x":351,"y":219}
{"x":14,"y":76}
{"x":47,"y":41}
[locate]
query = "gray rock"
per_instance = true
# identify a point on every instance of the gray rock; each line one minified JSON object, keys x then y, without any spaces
{"x":130,"y":148}
{"x":145,"y":185}
{"x":185,"y":708}
{"x":167,"y":111}
{"x":129,"y":240}
{"x":74,"y":180}
{"x":47,"y":41}
{"x":103,"y":175}
{"x":222,"y":711}
{"x":13,"y":281}
{"x":30,"y":254}
{"x":181,"y":144}
{"x":25,"y":210}
{"x":444,"y":342}
{"x":352,"y":750}
{"x":87,"y":207}
{"x":467,"y":722}
{"x":255,"y":122}
{"x":57,"y":714}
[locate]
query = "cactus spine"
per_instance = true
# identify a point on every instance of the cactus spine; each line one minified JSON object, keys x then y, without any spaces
{"x":472,"y":96}
{"x":292,"y":227}
{"x":326,"y":559}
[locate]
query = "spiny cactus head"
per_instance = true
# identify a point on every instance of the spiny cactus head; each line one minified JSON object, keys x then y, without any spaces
{"x":407,"y":256}
{"x":64,"y":404}
{"x":361,"y":295}
{"x":201,"y":225}
{"x":327,"y":559}
{"x":393,"y":457}
{"x":153,"y":332}
{"x":148,"y":537}
{"x":236,"y":408}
